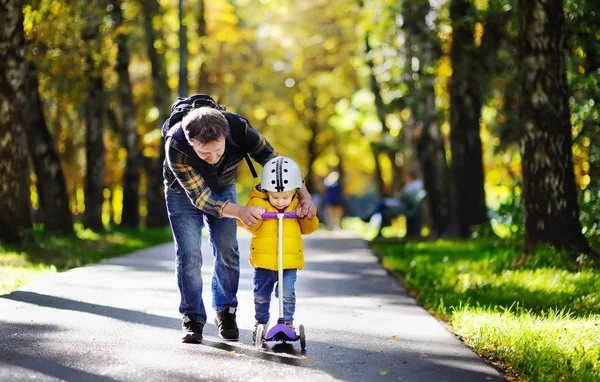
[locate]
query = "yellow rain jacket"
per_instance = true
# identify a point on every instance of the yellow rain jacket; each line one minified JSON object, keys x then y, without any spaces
{"x":263,"y":247}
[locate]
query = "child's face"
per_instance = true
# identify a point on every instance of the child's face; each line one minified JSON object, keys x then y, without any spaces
{"x":281,"y":200}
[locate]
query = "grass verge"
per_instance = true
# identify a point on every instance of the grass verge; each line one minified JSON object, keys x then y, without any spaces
{"x":536,"y":318}
{"x":22,"y":265}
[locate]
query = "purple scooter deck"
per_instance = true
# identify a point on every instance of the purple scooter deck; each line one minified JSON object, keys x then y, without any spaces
{"x":281,"y":332}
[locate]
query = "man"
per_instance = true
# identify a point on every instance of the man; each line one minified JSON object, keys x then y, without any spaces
{"x":408,"y":203}
{"x":201,"y":162}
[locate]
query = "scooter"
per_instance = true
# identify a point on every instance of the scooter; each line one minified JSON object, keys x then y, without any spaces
{"x":280,"y":332}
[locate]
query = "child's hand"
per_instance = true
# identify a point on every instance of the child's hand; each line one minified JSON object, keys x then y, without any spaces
{"x":250,"y":215}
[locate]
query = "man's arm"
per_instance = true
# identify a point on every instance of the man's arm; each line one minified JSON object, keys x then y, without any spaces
{"x":306,"y":208}
{"x":248,"y":215}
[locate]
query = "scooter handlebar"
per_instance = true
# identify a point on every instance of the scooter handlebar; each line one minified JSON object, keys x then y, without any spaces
{"x":286,"y":215}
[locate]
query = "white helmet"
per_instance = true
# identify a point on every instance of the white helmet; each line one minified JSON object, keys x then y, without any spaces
{"x":280,"y":174}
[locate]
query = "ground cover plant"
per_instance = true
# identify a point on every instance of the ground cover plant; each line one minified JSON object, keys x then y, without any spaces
{"x":55,"y":254}
{"x":536,"y":317}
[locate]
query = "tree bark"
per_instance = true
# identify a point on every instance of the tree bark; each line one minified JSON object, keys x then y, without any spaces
{"x":51,"y":184}
{"x":131,"y":179}
{"x":15,"y":206}
{"x":465,"y":112}
{"x":157,"y":213}
{"x":551,"y":212}
{"x":94,"y":121}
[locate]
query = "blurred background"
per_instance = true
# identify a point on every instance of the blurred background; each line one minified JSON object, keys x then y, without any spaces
{"x":371,"y":89}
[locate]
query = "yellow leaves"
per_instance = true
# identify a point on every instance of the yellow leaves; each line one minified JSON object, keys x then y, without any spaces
{"x":478,"y":33}
{"x":383,"y":372}
{"x":395,"y":337}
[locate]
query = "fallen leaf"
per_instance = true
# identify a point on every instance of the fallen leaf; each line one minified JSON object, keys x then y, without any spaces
{"x":232,"y":352}
{"x":395,"y":337}
{"x":383,"y":372}
{"x":304,"y":357}
{"x":58,"y":352}
{"x":100,"y":349}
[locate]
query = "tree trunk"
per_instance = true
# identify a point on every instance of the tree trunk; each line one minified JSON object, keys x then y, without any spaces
{"x":15,"y":206}
{"x":465,"y":112}
{"x":52,"y":189}
{"x":157,"y":213}
{"x":381,"y":115}
{"x":551,"y":213}
{"x":430,"y":148}
{"x":94,"y":121}
{"x":131,"y":179}
{"x":183,"y":52}
{"x":203,"y":85}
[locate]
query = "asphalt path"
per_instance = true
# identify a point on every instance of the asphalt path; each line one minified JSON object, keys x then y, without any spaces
{"x":118,"y":321}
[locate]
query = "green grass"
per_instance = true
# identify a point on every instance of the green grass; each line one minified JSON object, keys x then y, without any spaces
{"x":21,"y":265}
{"x":537,"y":317}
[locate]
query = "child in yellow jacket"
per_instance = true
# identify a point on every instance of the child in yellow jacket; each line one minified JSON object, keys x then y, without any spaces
{"x":280,"y":180}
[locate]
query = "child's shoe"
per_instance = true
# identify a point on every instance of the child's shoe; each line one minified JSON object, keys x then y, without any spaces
{"x":290,"y":325}
{"x":266,"y":325}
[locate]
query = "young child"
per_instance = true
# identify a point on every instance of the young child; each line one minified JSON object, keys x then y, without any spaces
{"x":280,"y":180}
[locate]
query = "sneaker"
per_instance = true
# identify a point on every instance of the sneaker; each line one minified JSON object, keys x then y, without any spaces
{"x":290,"y":325}
{"x":225,"y":321}
{"x":191,"y":329}
{"x":266,"y":324}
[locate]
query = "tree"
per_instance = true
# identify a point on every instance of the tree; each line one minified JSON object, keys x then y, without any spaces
{"x":422,"y":45}
{"x":465,"y":112}
{"x":94,"y":121}
{"x":51,"y":185}
{"x":131,"y":179}
{"x":157,"y":215}
{"x":551,"y":212}
{"x":15,"y":205}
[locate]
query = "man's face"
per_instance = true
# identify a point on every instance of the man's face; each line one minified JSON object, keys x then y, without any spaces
{"x":209,"y":152}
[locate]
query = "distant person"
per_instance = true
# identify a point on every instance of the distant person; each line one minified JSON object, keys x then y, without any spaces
{"x":278,"y":192}
{"x":408,"y":203}
{"x":334,"y":200}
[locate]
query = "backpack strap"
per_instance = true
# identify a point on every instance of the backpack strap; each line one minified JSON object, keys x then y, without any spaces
{"x":238,"y":133}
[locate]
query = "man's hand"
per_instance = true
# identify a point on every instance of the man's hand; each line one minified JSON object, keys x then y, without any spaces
{"x":306,"y":209}
{"x":249,"y":215}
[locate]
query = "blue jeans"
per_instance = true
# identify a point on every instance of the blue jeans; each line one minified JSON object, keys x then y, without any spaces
{"x":264,"y":282}
{"x":186,"y":224}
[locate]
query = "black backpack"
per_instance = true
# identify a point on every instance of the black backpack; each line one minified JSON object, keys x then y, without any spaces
{"x":184,"y":105}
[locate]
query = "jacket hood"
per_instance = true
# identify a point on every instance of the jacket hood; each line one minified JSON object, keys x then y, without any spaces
{"x":257,"y":193}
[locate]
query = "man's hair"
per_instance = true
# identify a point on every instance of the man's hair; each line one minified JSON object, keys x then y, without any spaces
{"x":205,"y":124}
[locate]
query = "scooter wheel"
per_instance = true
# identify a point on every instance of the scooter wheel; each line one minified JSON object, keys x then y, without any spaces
{"x":260,"y":331}
{"x":302,"y":337}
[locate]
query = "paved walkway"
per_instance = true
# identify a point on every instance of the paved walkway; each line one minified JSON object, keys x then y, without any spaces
{"x":118,"y":320}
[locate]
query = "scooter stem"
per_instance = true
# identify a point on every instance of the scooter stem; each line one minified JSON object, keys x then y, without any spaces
{"x":280,"y":262}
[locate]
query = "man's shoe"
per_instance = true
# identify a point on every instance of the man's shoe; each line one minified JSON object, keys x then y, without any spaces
{"x":225,"y":321}
{"x":191,"y":330}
